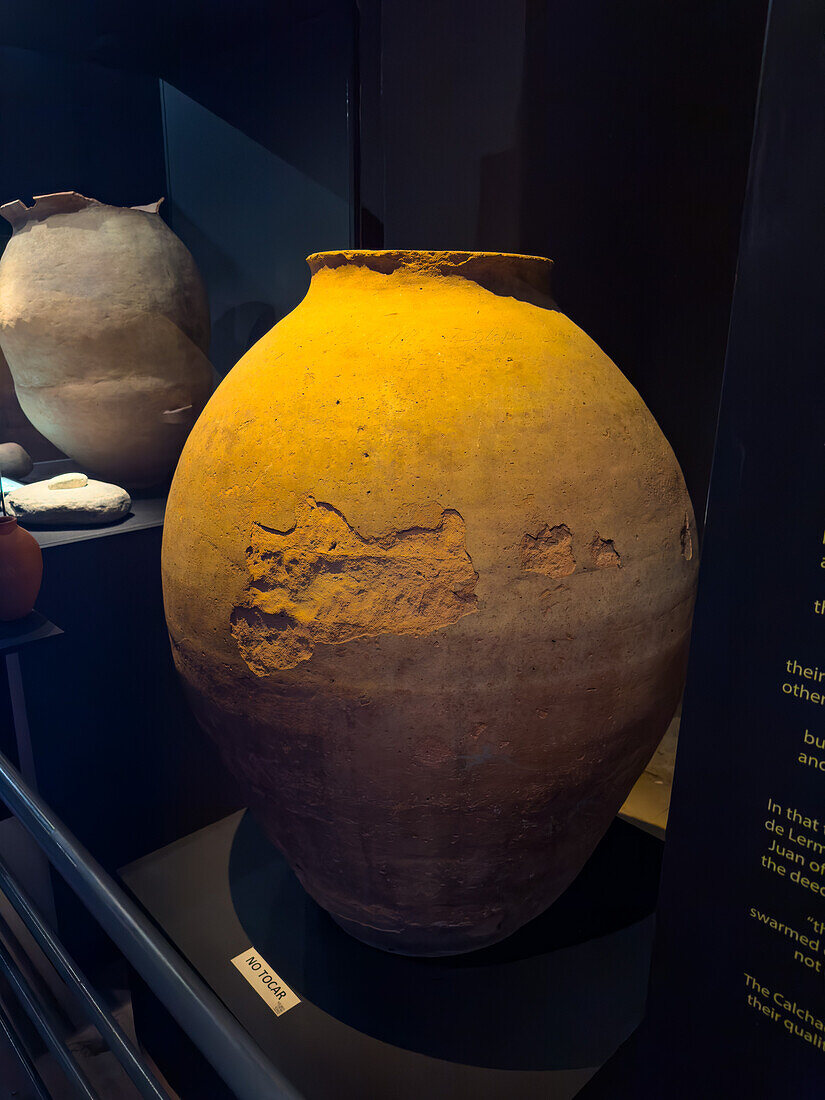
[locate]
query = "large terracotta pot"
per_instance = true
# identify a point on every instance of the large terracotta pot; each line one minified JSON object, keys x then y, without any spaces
{"x":21,"y":570}
{"x":428,"y":574}
{"x":105,"y":325}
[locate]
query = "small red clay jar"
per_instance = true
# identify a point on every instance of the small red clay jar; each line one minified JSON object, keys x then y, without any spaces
{"x":21,"y":570}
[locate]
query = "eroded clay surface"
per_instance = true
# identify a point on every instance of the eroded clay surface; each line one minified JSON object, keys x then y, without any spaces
{"x":324,"y":582}
{"x":604,"y":554}
{"x":550,"y":552}
{"x":686,"y":539}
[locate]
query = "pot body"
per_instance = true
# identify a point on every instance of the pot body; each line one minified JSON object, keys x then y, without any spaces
{"x":428,"y":576}
{"x":104,"y":323}
{"x":14,"y":425}
{"x":21,"y":570}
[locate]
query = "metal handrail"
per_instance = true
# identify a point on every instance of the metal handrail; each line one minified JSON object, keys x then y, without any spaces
{"x":211,"y":1027}
{"x":145,"y":1082}
{"x":45,"y":1020}
{"x":23,"y":1057}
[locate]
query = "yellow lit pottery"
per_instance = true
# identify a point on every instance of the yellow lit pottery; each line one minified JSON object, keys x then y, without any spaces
{"x":429,"y":573}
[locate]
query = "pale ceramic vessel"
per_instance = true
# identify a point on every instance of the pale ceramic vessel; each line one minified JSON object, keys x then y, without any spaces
{"x":105,"y":325}
{"x":439,"y":622}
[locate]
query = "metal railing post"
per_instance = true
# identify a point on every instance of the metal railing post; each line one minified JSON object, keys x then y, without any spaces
{"x":145,"y":1082}
{"x":211,"y":1027}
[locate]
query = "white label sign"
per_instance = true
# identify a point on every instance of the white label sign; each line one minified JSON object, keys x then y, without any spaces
{"x":265,"y":981}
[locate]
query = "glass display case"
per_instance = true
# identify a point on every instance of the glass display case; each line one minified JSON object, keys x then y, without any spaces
{"x":375,"y":573}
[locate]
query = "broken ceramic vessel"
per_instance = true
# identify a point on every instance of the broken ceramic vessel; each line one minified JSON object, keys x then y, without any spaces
{"x":105,"y":326}
{"x":440,"y":622}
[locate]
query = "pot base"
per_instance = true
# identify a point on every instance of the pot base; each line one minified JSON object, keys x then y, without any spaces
{"x":421,"y":943}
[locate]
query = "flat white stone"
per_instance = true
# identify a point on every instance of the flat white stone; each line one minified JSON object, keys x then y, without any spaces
{"x":67,"y":481}
{"x":96,"y":502}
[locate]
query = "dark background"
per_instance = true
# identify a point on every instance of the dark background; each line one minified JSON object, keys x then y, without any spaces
{"x":761,"y":574}
{"x":240,"y":116}
{"x":611,"y":137}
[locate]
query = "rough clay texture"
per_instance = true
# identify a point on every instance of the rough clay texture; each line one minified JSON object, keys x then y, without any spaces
{"x":323,"y":582}
{"x":69,"y":500}
{"x":105,"y":325}
{"x":550,"y":552}
{"x":439,"y":622}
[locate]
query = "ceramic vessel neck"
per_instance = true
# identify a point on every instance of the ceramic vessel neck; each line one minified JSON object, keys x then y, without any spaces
{"x":7,"y":525}
{"x":503,"y":273}
{"x":18,"y":215}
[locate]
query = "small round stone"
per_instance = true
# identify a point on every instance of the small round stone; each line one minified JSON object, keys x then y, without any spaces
{"x":15,"y":461}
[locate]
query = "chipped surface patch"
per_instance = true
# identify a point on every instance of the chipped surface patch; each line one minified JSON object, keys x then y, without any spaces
{"x":604,"y":554}
{"x":324,"y":582}
{"x":432,"y":752}
{"x":550,"y":552}
{"x":549,"y":598}
{"x":686,"y":539}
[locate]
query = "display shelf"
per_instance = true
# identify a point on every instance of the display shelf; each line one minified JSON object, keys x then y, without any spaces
{"x":531,"y":1017}
{"x":648,"y":803}
{"x":34,"y":627}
